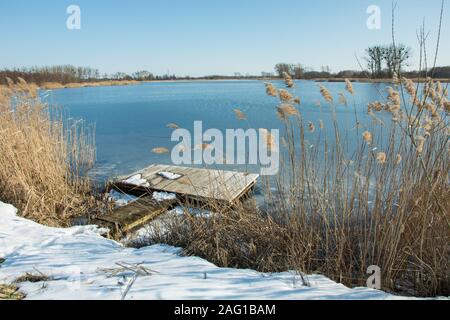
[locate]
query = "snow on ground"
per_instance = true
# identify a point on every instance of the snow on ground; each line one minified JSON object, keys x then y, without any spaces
{"x":196,"y":212}
{"x":76,"y":259}
{"x":121,"y":199}
{"x":159,"y":226}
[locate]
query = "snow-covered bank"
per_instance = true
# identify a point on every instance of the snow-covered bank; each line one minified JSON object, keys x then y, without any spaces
{"x":83,"y":265}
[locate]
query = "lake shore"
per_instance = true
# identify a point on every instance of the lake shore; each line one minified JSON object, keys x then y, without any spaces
{"x":366,"y":80}
{"x":56,"y":85}
{"x":109,"y":83}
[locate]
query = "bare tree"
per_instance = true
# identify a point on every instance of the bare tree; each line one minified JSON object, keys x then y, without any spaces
{"x":143,"y":75}
{"x":297,"y":71}
{"x":281,"y":68}
{"x":374,"y":57}
{"x":396,"y":58}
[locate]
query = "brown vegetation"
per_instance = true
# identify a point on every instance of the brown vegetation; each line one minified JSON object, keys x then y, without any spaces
{"x":10,"y":292}
{"x":42,"y":158}
{"x":55,"y":85}
{"x":336,"y":213}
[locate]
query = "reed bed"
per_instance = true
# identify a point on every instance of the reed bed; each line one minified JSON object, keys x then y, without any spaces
{"x":43,"y":159}
{"x":337,"y":212}
{"x":106,"y":83}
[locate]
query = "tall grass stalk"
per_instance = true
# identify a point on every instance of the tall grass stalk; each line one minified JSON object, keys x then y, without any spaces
{"x":43,"y":158}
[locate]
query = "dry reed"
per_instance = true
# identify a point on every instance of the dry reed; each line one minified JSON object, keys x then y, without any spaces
{"x":336,"y":213}
{"x":43,"y":159}
{"x":106,"y":83}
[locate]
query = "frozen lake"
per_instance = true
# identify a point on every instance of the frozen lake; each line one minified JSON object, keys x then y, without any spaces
{"x":132,"y":120}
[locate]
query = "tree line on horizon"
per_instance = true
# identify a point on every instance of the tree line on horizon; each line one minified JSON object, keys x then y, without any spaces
{"x":382,"y":61}
{"x":65,"y":74}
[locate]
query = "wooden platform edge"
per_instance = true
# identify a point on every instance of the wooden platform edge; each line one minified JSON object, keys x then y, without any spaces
{"x":126,"y":219}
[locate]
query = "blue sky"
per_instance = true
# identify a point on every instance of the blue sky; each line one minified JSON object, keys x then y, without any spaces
{"x":198,"y":37}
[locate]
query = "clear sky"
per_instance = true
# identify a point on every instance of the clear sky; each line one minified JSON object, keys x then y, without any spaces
{"x":198,"y":37}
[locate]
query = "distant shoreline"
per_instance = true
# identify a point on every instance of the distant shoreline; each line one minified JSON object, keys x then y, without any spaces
{"x":361,"y":80}
{"x":110,"y":83}
{"x":365,"y":80}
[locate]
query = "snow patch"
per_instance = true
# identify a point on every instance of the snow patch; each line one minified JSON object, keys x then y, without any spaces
{"x":120,"y":199}
{"x":179,"y":210}
{"x":83,"y":265}
{"x":163,"y":196}
{"x":7,"y":210}
{"x":137,"y":180}
{"x":169,"y":175}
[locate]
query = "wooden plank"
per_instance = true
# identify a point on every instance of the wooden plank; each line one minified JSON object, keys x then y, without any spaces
{"x":197,"y":182}
{"x":238,"y":184}
{"x":135,"y":214}
{"x":184,"y":185}
{"x":165,"y":183}
{"x":227,"y":185}
{"x":214,"y":182}
{"x":146,"y":173}
{"x":188,"y":184}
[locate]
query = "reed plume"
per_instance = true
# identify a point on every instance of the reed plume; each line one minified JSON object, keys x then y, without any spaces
{"x":367,"y":136}
{"x":410,"y":87}
{"x":239,"y":114}
{"x":349,"y":87}
{"x":160,"y":150}
{"x":285,"y":110}
{"x":395,"y":79}
{"x":271,"y":90}
{"x":420,"y":144}
{"x":288,"y":80}
{"x":381,"y":157}
{"x":284,"y":95}
{"x":326,"y":94}
{"x":173,"y":126}
{"x":268,"y":138}
{"x":343,"y":99}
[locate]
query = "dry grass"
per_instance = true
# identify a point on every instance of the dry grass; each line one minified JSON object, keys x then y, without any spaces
{"x":42,"y":158}
{"x":337,"y":212}
{"x":10,"y":292}
{"x":55,"y":85}
{"x":33,"y":278}
{"x":51,"y":85}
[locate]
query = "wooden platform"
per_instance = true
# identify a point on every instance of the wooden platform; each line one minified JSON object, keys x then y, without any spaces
{"x":130,"y":217}
{"x":194,"y":184}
